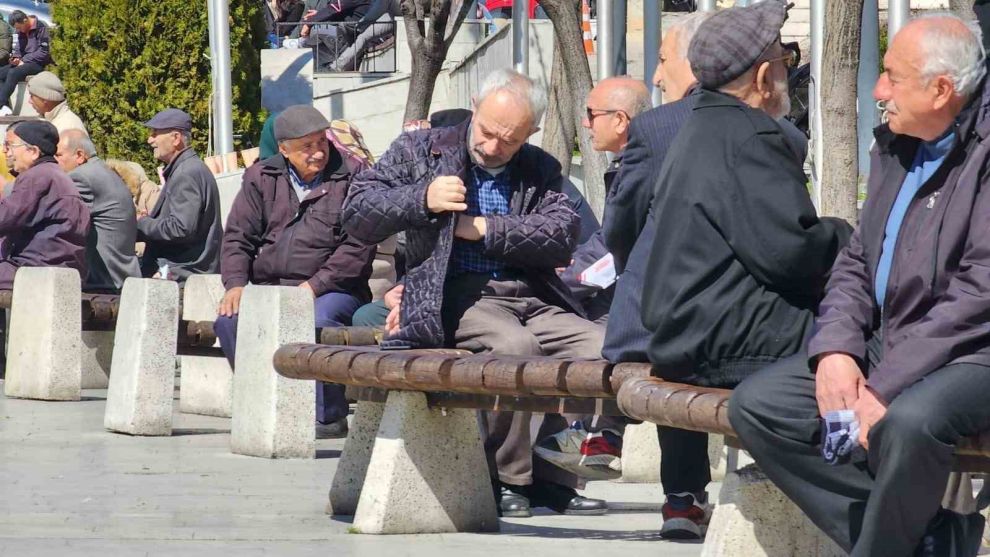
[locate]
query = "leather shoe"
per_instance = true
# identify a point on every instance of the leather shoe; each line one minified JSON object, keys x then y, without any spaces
{"x":565,"y":500}
{"x":332,"y":430}
{"x":513,"y":505}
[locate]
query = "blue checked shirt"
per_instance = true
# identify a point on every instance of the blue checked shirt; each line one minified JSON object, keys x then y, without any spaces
{"x":487,"y":195}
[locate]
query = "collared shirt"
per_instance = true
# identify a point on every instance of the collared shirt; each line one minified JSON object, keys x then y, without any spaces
{"x":486,"y":195}
{"x":927,"y":160}
{"x":302,"y":188}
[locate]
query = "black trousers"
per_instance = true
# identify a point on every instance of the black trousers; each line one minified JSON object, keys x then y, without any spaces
{"x":880,"y":507}
{"x":10,"y":76}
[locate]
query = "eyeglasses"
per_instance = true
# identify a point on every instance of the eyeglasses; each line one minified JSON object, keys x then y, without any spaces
{"x":593,"y":113}
{"x":791,"y":56}
{"x":7,"y":146}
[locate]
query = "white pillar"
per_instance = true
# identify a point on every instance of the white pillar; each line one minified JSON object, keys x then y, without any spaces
{"x":814,"y":98}
{"x":606,"y":51}
{"x":652,"y":35}
{"x":707,"y":5}
{"x":520,"y":36}
{"x":219,"y":18}
{"x":898,"y":13}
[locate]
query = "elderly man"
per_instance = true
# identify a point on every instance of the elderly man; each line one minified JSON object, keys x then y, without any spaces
{"x":901,"y":345}
{"x":31,"y":55}
{"x":284,"y":228}
{"x":47,"y":96}
{"x":43,"y":220}
{"x":731,"y":188}
{"x":486,"y":225}
{"x":110,"y":254}
{"x":183,"y":229}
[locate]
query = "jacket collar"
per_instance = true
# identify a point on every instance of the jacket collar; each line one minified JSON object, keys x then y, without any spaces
{"x":336,"y":168}
{"x":183,"y":155}
{"x":59,"y":109}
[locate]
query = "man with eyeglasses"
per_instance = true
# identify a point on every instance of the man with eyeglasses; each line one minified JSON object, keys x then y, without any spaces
{"x":738,"y":257}
{"x":43,"y":220}
{"x":182,"y":232}
{"x":284,"y":229}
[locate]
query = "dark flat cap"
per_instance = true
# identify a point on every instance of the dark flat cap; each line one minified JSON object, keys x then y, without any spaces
{"x":170,"y":119}
{"x":728,"y":43}
{"x":39,"y":133}
{"x":299,"y":121}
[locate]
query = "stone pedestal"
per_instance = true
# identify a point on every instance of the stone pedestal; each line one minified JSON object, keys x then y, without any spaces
{"x":97,"y":356}
{"x":44,"y":340}
{"x":640,"y":454}
{"x":353,"y":466}
{"x":755,"y":519}
{"x":427,"y":472}
{"x":142,"y":378}
{"x":273,"y":416}
{"x":206,"y":381}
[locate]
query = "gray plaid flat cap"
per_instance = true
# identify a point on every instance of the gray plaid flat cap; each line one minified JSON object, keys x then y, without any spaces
{"x":299,"y":121}
{"x":730,"y":42}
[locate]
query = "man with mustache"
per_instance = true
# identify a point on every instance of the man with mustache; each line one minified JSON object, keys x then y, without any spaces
{"x":739,"y":258}
{"x":486,"y":226}
{"x":284,"y":229}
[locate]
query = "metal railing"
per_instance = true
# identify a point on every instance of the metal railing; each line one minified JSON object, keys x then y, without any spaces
{"x":343,"y":46}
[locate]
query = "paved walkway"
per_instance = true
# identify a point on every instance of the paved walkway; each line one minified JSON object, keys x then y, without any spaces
{"x":71,"y":488}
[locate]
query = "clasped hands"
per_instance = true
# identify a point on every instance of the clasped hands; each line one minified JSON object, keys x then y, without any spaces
{"x":447,"y":193}
{"x":840,"y":385}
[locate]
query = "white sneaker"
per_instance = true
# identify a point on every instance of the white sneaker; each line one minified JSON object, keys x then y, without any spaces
{"x":5,"y":111}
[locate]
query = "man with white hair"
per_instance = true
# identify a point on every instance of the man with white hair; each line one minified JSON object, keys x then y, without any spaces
{"x":897,"y":369}
{"x":740,"y":250}
{"x":486,"y":226}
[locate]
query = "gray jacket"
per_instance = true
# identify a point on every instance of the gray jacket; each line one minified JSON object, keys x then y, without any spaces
{"x":110,"y":254}
{"x":183,"y":229}
{"x":6,"y":42}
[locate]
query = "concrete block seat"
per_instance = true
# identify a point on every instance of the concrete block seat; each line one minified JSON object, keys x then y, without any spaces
{"x":391,"y":477}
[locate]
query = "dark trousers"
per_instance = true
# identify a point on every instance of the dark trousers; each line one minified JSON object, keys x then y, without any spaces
{"x":333,"y":309}
{"x":12,"y":75}
{"x":876,"y":508}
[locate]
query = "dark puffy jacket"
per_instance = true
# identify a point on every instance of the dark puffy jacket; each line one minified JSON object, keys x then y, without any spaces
{"x":938,"y":291}
{"x":536,"y":237}
{"x":43,"y":222}
{"x":273,"y":238}
{"x":35,"y":45}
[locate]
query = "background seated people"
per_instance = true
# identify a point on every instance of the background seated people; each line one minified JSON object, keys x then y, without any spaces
{"x":182,"y":232}
{"x":43,"y":221}
{"x":481,"y":263}
{"x":31,"y":55}
{"x":110,"y":256}
{"x":266,"y":243}
{"x":47,"y":96}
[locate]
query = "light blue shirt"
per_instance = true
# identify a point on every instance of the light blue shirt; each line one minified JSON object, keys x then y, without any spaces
{"x":302,"y":188}
{"x":927,"y":161}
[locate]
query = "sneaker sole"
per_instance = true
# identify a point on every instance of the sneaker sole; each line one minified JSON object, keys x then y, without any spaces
{"x":594,"y":512}
{"x":680,"y":529}
{"x":517,"y":514}
{"x":567,"y":461}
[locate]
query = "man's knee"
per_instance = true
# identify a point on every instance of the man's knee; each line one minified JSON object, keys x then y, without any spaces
{"x":515,"y":341}
{"x":911,"y":424}
{"x":224,"y":326}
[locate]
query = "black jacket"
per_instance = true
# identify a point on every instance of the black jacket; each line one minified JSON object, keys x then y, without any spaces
{"x":739,"y":254}
{"x":536,"y":237}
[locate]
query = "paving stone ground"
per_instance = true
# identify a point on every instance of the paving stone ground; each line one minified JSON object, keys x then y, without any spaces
{"x":68,"y":487}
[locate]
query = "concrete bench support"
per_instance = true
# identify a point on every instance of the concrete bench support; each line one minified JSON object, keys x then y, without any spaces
{"x":97,"y":357}
{"x":755,"y":519}
{"x":142,"y":378}
{"x":43,"y":359}
{"x":413,"y":486}
{"x":206,"y":381}
{"x":353,"y":466}
{"x":273,"y":416}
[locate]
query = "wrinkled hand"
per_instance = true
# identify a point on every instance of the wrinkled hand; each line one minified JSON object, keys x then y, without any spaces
{"x":837,"y":382}
{"x":446,"y":193}
{"x":230,"y":305}
{"x":470,"y":228}
{"x":393,"y":297}
{"x":15,"y":61}
{"x":305,"y":286}
{"x":392,"y":321}
{"x":869,"y":410}
{"x":304,"y":32}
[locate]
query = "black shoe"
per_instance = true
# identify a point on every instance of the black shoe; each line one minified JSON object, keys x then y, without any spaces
{"x":513,"y":505}
{"x":332,"y":430}
{"x":565,"y":500}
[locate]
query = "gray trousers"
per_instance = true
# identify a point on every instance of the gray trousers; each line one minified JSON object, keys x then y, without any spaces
{"x":505,"y":317}
{"x":876,"y":508}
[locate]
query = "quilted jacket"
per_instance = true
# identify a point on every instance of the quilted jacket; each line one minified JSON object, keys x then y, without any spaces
{"x":537,"y":236}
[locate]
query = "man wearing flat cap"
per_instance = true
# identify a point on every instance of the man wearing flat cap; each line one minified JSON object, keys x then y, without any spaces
{"x":182,"y":232}
{"x":741,"y":250}
{"x":47,"y":96}
{"x":284,"y":229}
{"x":43,"y":220}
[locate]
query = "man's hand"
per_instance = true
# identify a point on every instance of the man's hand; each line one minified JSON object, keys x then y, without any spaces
{"x":304,"y":32}
{"x":15,"y":61}
{"x":446,"y":193}
{"x":393,"y":297}
{"x":470,"y":228}
{"x":230,"y":305}
{"x":309,"y":14}
{"x":869,"y":410}
{"x":392,"y":321}
{"x":305,"y":286}
{"x":837,"y":382}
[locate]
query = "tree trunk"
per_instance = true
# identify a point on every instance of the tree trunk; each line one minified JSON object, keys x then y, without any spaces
{"x":566,"y":18}
{"x":840,"y":65}
{"x":429,"y":30}
{"x":962,"y":8}
{"x":559,"y":129}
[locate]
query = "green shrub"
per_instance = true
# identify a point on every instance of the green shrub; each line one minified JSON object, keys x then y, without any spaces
{"x":121,"y":61}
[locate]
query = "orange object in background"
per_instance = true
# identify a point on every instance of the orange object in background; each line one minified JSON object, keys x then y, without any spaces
{"x":589,"y":43}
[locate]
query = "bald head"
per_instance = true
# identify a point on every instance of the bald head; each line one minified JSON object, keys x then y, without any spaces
{"x":74,"y":149}
{"x":611,"y":105}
